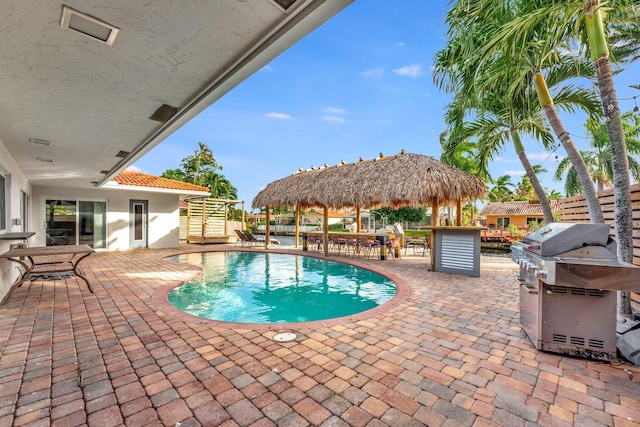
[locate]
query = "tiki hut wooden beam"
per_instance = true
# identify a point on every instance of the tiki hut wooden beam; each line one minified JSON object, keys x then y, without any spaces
{"x":325,"y":231}
{"x":405,"y":179}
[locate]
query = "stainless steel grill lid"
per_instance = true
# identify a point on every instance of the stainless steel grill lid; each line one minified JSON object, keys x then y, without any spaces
{"x":558,"y":237}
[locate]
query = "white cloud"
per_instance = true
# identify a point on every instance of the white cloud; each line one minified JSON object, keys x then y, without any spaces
{"x":280,"y":116}
{"x":268,"y":68}
{"x":335,"y":119}
{"x":335,"y":110}
{"x":401,"y":44}
{"x":413,"y":70}
{"x":134,"y":168}
{"x":514,"y":172}
{"x":373,"y":72}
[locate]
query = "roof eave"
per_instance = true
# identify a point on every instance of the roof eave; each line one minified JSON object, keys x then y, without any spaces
{"x":112,"y":185}
{"x":286,"y":34}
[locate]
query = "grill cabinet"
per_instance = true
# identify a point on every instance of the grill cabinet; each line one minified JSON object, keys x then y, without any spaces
{"x":569,"y":275}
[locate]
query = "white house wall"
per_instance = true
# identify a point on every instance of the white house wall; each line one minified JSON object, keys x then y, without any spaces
{"x":163,"y":229}
{"x":16,"y":182}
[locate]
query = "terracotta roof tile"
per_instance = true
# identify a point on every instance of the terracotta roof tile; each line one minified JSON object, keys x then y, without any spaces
{"x":527,"y":207}
{"x":137,"y":179}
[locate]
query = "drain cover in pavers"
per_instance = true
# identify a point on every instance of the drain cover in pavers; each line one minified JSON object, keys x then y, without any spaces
{"x":284,"y":337}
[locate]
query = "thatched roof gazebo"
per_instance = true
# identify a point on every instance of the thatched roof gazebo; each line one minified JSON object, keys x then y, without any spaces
{"x":405,"y":179}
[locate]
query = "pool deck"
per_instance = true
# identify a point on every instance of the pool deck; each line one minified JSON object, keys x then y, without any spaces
{"x":451,"y":353}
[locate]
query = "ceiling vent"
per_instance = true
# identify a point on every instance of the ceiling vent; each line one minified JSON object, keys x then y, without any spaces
{"x":122,"y":154}
{"x":164,"y":113}
{"x":285,"y":3}
{"x":88,"y":26}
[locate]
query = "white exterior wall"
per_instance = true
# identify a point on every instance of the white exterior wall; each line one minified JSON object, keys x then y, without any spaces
{"x":15,"y":182}
{"x":163,"y":229}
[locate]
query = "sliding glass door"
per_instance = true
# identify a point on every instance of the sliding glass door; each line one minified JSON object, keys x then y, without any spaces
{"x":73,"y":222}
{"x":92,"y":228}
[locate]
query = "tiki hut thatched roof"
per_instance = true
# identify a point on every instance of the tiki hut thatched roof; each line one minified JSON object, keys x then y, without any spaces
{"x":402,"y":180}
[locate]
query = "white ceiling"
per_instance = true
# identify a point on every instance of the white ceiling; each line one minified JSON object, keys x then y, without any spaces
{"x":91,"y":100}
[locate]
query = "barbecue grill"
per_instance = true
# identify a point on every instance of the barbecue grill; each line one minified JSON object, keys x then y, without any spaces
{"x":568,"y":276}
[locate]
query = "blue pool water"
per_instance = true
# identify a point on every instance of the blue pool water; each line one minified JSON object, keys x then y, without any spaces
{"x":256,"y":287}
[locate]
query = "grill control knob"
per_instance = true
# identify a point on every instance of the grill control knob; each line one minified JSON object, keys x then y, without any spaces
{"x":541,"y":274}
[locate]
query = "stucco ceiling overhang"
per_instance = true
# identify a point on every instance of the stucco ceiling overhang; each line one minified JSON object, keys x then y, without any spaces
{"x":93,"y":102}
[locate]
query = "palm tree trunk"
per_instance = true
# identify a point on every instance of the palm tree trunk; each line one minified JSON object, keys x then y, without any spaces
{"x":622,"y":195}
{"x":623,"y":213}
{"x":622,"y":209}
{"x":588,"y":188}
{"x":542,"y":196}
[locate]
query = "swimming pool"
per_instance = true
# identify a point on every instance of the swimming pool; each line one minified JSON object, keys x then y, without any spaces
{"x":258,"y":287}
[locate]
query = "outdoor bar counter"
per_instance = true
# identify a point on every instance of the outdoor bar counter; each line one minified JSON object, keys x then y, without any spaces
{"x":455,"y":249}
{"x":383,"y":238}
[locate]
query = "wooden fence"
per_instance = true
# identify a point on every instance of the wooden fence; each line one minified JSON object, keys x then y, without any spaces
{"x":207,"y":222}
{"x":574,"y":209}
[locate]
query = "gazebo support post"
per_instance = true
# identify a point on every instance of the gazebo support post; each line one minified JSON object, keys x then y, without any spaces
{"x":473,"y":212}
{"x":358,"y":214}
{"x":435,"y":218}
{"x":459,"y":213}
{"x":226,"y":221}
{"x":325,"y":230}
{"x":435,"y":212}
{"x":242,"y":228}
{"x":267,"y":231}
{"x":297,"y":224}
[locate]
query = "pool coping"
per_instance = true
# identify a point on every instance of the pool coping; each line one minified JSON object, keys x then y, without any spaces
{"x":160,"y":301}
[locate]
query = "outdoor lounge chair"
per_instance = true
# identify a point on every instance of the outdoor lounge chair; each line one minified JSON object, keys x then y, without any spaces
{"x":242,"y":238}
{"x":259,"y":240}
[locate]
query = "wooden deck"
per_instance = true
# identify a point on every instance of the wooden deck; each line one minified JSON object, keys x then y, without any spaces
{"x":496,"y":235}
{"x":221,"y":239}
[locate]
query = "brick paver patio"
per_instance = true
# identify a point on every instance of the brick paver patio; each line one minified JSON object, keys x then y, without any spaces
{"x":452,"y":353}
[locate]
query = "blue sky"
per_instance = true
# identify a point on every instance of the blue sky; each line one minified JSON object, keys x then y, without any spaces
{"x":359,"y":85}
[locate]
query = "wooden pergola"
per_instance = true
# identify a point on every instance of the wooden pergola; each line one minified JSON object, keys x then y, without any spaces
{"x":405,"y":179}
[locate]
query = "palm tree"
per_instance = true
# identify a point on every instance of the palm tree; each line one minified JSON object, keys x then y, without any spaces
{"x":584,"y":21}
{"x":555,"y":195}
{"x":598,"y":159}
{"x":200,"y":165}
{"x":502,"y":189}
{"x":524,"y":189}
{"x":623,"y":210}
{"x":622,"y":194}
{"x":221,"y":187}
{"x":562,"y":25}
{"x":494,"y":115}
{"x":462,"y":155}
{"x":535,"y":57}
